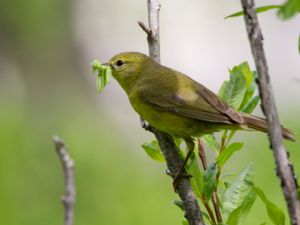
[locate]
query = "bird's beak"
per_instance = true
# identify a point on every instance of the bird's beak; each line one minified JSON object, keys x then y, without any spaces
{"x":105,"y":64}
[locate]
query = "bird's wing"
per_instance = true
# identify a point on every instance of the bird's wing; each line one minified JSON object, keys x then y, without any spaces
{"x":197,"y":103}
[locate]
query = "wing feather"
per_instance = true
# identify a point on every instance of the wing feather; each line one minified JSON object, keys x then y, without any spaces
{"x":197,"y":103}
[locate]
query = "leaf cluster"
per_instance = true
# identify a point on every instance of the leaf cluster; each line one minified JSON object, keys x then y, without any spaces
{"x":103,"y":73}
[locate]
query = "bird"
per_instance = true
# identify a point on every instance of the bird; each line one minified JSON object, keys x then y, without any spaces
{"x":174,"y":103}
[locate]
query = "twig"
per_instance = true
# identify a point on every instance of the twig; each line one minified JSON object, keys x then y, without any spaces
{"x":210,"y":212}
{"x":215,"y":199}
{"x":144,"y":28}
{"x":201,"y":152}
{"x":283,"y":166}
{"x":166,"y":143}
{"x":68,"y":198}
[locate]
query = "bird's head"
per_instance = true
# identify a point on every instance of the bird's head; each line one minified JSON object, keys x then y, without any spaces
{"x":127,"y":67}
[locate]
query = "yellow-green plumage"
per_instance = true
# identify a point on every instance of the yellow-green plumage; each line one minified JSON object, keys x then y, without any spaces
{"x":174,"y":103}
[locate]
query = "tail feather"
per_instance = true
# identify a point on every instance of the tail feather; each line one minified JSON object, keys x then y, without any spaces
{"x":261,"y":124}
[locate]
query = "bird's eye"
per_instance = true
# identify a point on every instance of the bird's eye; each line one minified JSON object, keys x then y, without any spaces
{"x":120,"y":62}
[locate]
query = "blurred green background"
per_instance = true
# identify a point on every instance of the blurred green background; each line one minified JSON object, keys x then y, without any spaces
{"x":46,"y":88}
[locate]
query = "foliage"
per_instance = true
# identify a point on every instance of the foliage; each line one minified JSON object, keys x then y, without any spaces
{"x":258,"y":10}
{"x":103,"y":74}
{"x":289,"y":9}
{"x":153,"y":151}
{"x":286,"y":11}
{"x":274,"y":212}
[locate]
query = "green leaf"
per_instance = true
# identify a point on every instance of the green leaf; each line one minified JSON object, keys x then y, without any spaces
{"x":238,"y":192}
{"x":206,"y":216}
{"x":245,"y":69}
{"x":179,"y":204}
{"x":184,"y":222}
{"x":196,"y":180}
{"x":235,"y":89}
{"x":227,"y":152}
{"x":103,"y":74}
{"x":96,"y":65}
{"x":230,"y":136}
{"x":289,"y":9}
{"x":239,"y":214}
{"x":274,"y":212}
{"x":251,"y":105}
{"x":222,"y":89}
{"x":209,"y":181}
{"x":153,"y":151}
{"x":177,"y":141}
{"x":211,"y":142}
{"x":251,"y":83}
{"x":258,"y":10}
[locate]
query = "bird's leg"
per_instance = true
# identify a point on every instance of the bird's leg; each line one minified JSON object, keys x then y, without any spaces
{"x":179,"y":175}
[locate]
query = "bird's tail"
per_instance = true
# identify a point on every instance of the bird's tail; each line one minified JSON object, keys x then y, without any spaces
{"x":260,"y":124}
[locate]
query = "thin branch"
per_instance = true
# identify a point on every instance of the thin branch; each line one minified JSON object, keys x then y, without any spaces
{"x":145,"y":28}
{"x":210,"y":212}
{"x":68,"y":198}
{"x":215,"y":200}
{"x":168,"y":148}
{"x":201,"y":152}
{"x":283,"y":166}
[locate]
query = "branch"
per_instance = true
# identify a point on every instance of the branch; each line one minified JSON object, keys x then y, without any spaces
{"x":215,"y":200}
{"x":283,"y":166}
{"x":68,"y":198}
{"x":166,"y":143}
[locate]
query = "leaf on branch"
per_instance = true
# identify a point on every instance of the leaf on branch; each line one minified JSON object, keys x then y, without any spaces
{"x":251,"y":105}
{"x":239,"y":197}
{"x":251,"y":83}
{"x":197,"y":175}
{"x":209,"y":181}
{"x":185,"y":222}
{"x":239,"y":214}
{"x":227,"y":153}
{"x":258,"y":10}
{"x":179,"y":204}
{"x":274,"y":212}
{"x":240,"y":88}
{"x":211,"y":142}
{"x":177,"y":141}
{"x":234,"y":90}
{"x":289,"y":9}
{"x":103,"y":73}
{"x":153,"y":151}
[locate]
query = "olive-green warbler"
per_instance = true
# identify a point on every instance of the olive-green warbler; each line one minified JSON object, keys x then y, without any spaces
{"x":176,"y":104}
